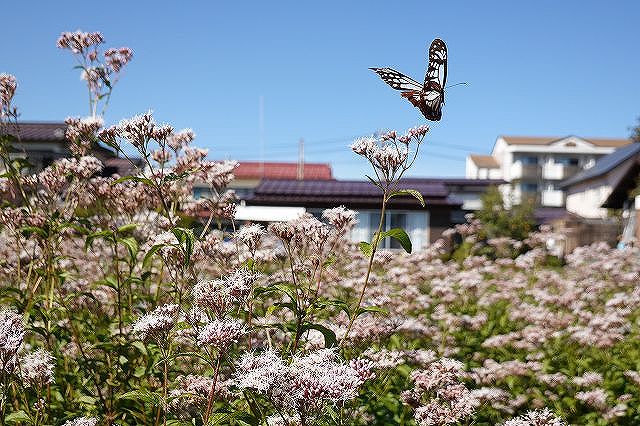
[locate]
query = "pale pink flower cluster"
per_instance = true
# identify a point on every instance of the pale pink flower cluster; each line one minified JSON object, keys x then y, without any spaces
{"x":386,"y":158}
{"x":221,"y":295}
{"x":191,"y":392}
{"x":36,"y":368}
{"x":157,"y":323}
{"x":179,"y":140}
{"x":305,"y":385}
{"x":138,"y":130}
{"x":389,"y":154}
{"x":8,"y":86}
{"x":221,"y":333}
{"x":11,"y":336}
{"x":83,"y":167}
{"x":116,"y":59}
{"x":596,"y":398}
{"x":542,"y":417}
{"x":81,"y":133}
{"x":79,"y":41}
{"x":341,"y":218}
{"x":218,"y":174}
{"x":250,"y":235}
{"x":448,"y":401}
{"x":588,"y":379}
{"x":81,"y":421}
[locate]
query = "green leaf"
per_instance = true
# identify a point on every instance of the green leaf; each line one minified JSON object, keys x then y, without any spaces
{"x":131,"y":244}
{"x":176,"y":176}
{"x":135,"y":179}
{"x":142,"y":395}
{"x":218,"y":419}
{"x":330,"y":261}
{"x":18,"y":416}
{"x":185,"y":236}
{"x":288,"y":290}
{"x":401,"y":236}
{"x":374,"y":182}
{"x":153,"y":250}
{"x":329,"y":336}
{"x":365,"y":248}
{"x":412,"y":192}
{"x":91,"y":237}
{"x":28,"y":230}
{"x":126,"y":228}
{"x":372,"y":309}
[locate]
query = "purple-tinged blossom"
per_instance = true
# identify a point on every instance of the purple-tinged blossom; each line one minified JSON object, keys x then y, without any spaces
{"x":36,"y":368}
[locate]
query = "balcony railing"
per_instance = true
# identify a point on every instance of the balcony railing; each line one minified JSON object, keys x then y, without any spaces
{"x":552,"y":198}
{"x":557,"y":171}
{"x":524,"y":171}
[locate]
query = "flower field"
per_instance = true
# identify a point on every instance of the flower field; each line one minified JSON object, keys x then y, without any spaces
{"x":118,"y":306}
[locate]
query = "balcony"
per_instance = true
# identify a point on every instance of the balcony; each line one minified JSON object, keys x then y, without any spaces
{"x":552,"y":198}
{"x":524,"y":171}
{"x":557,"y":171}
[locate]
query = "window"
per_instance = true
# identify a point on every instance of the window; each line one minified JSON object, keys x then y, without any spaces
{"x":567,"y":161}
{"x":201,"y":192}
{"x":415,"y":224}
{"x":529,"y":160}
{"x":529,"y":187}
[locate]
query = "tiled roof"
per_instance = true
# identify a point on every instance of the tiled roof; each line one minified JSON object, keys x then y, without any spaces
{"x":350,"y":193}
{"x":484,"y":160}
{"x":605,"y":164}
{"x":273,"y":170}
{"x":39,"y":131}
{"x":548,"y":140}
{"x":545,"y":215}
{"x":453,"y":181}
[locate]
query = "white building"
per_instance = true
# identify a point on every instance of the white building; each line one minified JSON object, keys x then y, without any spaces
{"x":609,"y":184}
{"x":535,"y":166}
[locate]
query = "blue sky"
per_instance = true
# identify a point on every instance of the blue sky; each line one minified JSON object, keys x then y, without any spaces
{"x":533,"y":68}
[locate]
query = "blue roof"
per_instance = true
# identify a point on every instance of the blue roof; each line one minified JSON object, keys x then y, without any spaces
{"x":604,"y":164}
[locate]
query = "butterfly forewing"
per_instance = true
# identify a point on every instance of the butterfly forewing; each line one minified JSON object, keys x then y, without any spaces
{"x":437,"y":70}
{"x":397,"y":80}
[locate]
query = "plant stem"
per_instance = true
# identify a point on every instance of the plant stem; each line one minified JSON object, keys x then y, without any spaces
{"x":213,"y":389}
{"x":374,"y":247}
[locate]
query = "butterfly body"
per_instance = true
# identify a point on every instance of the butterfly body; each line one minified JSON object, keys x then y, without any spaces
{"x":429,"y":96}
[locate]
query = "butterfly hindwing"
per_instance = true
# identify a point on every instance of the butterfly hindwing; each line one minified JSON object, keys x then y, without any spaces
{"x":396,"y":79}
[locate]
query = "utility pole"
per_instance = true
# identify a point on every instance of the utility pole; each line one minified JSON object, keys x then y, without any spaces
{"x":261,"y":135}
{"x":301,"y":159}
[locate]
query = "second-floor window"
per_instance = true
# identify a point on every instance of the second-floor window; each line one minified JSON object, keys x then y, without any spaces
{"x":567,"y":161}
{"x":529,"y":160}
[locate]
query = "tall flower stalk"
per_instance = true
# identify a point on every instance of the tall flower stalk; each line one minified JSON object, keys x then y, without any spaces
{"x":390,"y":156}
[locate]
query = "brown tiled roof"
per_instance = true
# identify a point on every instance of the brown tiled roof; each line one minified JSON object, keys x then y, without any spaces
{"x":39,"y":131}
{"x":330,"y":193}
{"x":484,"y":160}
{"x":548,"y":140}
{"x":275,"y":170}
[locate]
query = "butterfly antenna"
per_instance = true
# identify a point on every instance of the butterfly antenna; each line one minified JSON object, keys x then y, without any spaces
{"x":457,"y":84}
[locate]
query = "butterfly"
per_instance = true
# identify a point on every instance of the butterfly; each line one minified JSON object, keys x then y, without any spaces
{"x":427,"y":97}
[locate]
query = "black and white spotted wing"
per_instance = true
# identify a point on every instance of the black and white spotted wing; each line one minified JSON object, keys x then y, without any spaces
{"x":427,"y":97}
{"x":396,"y":79}
{"x":437,"y":70}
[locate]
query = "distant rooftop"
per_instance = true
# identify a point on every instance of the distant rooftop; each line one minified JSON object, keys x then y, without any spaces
{"x":548,"y":140}
{"x":282,"y":170}
{"x":604,"y":164}
{"x":34,"y":131}
{"x":329,"y":193}
{"x":486,"y":161}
